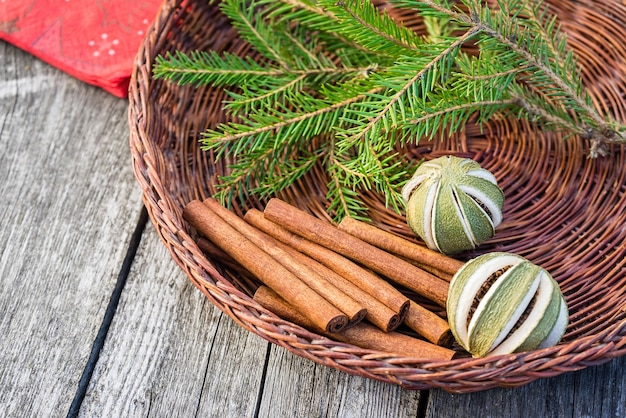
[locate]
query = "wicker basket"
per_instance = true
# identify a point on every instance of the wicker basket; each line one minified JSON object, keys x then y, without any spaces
{"x":563,"y":211}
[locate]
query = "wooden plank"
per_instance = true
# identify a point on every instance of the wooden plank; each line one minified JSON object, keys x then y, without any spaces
{"x":297,"y":387}
{"x":234,"y":373}
{"x":170,"y":352}
{"x":598,"y":392}
{"x":69,"y":204}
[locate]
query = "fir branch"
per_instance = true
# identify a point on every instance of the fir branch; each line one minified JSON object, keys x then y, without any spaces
{"x":200,"y":67}
{"x":543,"y":116}
{"x":251,"y":26}
{"x":266,"y":172}
{"x":362,"y":23}
{"x":468,"y":108}
{"x":321,"y":15}
{"x":313,"y":58}
{"x":247,"y":102}
{"x":546,"y":27}
{"x":343,"y":198}
{"x":481,"y":19}
{"x":497,"y":75}
{"x":558,"y":81}
{"x":288,"y":85}
{"x":418,"y":85}
{"x":344,"y":85}
{"x":312,"y":16}
{"x":233,"y":132}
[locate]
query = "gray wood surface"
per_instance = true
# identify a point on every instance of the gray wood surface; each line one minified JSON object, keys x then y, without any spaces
{"x":68,"y":211}
{"x":69,"y":203}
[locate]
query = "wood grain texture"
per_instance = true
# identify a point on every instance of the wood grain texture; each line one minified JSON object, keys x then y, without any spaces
{"x":170,"y":352}
{"x":68,"y":206}
{"x":593,"y":392}
{"x":297,"y":387}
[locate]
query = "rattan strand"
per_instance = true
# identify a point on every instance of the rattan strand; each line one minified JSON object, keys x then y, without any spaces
{"x":562,"y":211}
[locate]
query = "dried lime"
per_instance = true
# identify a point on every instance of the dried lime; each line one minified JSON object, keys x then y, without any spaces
{"x":500,"y":303}
{"x":453,"y":204}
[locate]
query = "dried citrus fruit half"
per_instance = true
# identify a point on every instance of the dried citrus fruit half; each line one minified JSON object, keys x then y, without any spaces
{"x":501,"y":303}
{"x":453,"y":204}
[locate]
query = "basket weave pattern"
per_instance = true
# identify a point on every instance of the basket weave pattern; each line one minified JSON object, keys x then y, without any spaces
{"x":563,"y":211}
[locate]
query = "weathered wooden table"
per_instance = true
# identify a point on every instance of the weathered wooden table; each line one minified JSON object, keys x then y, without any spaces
{"x":96,"y":320}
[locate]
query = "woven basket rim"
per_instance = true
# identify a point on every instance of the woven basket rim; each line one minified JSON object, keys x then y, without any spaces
{"x":164,"y":205}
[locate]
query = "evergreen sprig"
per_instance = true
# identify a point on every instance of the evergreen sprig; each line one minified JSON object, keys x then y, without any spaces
{"x":341,"y":83}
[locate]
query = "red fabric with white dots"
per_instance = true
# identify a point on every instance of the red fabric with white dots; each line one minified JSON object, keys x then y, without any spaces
{"x":93,"y":40}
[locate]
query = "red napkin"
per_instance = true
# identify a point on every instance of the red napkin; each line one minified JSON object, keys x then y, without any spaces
{"x":93,"y":40}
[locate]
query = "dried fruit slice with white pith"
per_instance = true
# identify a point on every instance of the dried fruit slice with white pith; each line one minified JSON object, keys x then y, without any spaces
{"x":453,"y":204}
{"x":501,"y":303}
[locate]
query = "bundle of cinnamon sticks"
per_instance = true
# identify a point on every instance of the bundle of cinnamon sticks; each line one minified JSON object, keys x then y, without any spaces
{"x":341,"y":281}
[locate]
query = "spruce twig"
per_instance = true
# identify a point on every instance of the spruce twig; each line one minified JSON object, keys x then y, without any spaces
{"x":343,"y":84}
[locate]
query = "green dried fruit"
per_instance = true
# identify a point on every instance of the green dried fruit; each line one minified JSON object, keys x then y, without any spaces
{"x":500,"y":303}
{"x":453,"y":204}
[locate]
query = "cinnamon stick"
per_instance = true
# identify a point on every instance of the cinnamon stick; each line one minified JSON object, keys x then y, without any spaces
{"x":242,"y":279}
{"x":295,"y":262}
{"x":429,"y":325}
{"x":376,"y":312}
{"x":361,"y":335}
{"x":327,"y":235}
{"x":217,"y":253}
{"x":427,"y":259}
{"x":266,"y":269}
{"x":383,"y":301}
{"x":441,"y":274}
